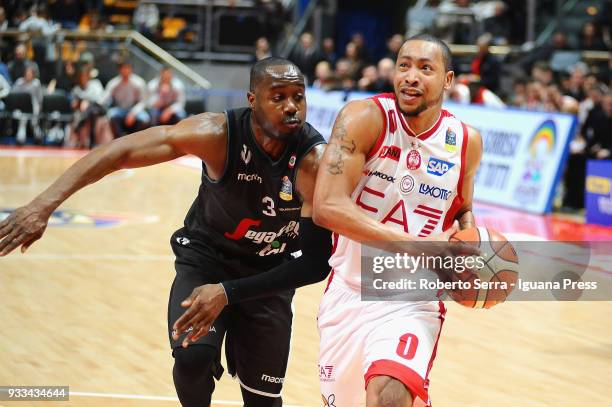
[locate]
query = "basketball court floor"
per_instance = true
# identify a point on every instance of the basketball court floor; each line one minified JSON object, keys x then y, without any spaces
{"x":86,"y":306}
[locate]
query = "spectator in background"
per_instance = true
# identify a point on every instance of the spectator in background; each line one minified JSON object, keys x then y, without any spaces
{"x":42,"y":44}
{"x":123,"y":93}
{"x":306,"y":55}
{"x":536,"y":96}
{"x":361,"y":48}
{"x":591,"y":39}
{"x":19,"y":64}
{"x":542,"y":73}
{"x":356,"y":63}
{"x":329,"y":51}
{"x":393,"y":46}
{"x":5,"y":89}
{"x":386,"y":72}
{"x":592,"y":101}
{"x":3,"y":20}
{"x":594,"y":141}
{"x":574,"y":86}
{"x":596,"y":129}
{"x":519,"y":93}
{"x":343,"y":74}
{"x":67,"y":79}
{"x":465,"y":92}
{"x":146,"y":19}
{"x":4,"y":71}
{"x":556,"y":101}
{"x":262,"y":49}
{"x":90,"y":126}
{"x":324,"y":77}
{"x":166,"y":99}
{"x":369,"y":79}
{"x":29,"y":83}
{"x":499,"y":25}
{"x":485,"y":65}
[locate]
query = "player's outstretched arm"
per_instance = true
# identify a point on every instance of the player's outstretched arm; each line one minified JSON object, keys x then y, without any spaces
{"x":201,"y":135}
{"x":354,"y":135}
{"x":472,"y":162}
{"x":207,"y":301}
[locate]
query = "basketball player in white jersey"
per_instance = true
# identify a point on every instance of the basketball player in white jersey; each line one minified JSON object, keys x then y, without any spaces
{"x":398,"y":168}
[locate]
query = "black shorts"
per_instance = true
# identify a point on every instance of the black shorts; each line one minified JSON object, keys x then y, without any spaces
{"x":257,"y":333}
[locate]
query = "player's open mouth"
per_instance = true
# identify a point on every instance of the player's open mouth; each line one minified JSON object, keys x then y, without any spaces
{"x":410,"y":94}
{"x":293,"y":123}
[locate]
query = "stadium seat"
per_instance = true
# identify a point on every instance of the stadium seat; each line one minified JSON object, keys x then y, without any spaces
{"x":56,"y":116}
{"x":19,"y":106}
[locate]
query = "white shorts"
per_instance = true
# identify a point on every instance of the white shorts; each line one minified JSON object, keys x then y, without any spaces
{"x":363,"y":339}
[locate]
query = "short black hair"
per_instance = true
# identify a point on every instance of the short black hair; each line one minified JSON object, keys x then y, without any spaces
{"x":447,"y":56}
{"x":258,"y":71}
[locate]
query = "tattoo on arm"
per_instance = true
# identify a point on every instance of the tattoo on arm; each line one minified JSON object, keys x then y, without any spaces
{"x":340,"y":146}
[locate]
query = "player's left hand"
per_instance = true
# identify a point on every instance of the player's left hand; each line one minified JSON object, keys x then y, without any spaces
{"x":203,"y":307}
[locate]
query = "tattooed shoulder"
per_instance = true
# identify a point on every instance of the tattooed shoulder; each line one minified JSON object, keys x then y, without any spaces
{"x":341,"y":145}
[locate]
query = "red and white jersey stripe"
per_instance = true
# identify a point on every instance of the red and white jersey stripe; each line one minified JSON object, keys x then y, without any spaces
{"x":412,"y":182}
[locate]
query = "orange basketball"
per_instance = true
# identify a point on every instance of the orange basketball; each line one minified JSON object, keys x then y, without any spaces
{"x":492,"y":283}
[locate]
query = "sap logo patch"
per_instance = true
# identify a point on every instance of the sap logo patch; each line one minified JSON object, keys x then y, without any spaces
{"x":438,"y":167}
{"x":434,"y":192}
{"x":392,"y":152}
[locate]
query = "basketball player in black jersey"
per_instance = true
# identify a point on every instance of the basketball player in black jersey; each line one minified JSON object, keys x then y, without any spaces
{"x":252,"y":212}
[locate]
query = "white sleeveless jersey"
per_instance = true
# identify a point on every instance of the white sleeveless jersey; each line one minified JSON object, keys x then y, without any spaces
{"x":408,"y":183}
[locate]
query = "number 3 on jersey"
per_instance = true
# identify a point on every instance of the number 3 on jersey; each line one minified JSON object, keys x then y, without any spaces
{"x":407,"y":346}
{"x":269,"y":210}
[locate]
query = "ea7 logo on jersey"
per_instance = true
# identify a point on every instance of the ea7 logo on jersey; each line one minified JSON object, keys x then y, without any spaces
{"x":325,"y":373}
{"x":245,"y":154}
{"x":435,"y":192}
{"x":392,"y":152}
{"x":438,"y":167}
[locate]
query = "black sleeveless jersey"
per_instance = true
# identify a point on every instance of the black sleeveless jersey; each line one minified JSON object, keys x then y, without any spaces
{"x":251,"y":214}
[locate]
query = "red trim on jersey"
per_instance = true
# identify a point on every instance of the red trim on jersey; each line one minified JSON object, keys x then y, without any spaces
{"x":426,"y":134}
{"x":410,"y":378}
{"x":428,"y":214}
{"x":435,"y":349}
{"x":381,"y":136}
{"x":458,"y":201}
{"x":331,"y":275}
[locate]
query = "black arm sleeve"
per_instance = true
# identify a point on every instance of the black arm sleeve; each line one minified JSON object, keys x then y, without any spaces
{"x":311,"y":267}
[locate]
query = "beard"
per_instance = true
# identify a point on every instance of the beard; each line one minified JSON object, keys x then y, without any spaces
{"x":421,"y":107}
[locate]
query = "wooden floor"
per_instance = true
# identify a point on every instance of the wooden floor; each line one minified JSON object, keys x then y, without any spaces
{"x":86,"y":307}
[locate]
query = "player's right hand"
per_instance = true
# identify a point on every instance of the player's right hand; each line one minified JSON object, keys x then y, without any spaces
{"x":23,"y":227}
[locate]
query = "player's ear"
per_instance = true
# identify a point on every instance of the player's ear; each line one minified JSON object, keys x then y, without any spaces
{"x":251,"y":99}
{"x":448,"y":80}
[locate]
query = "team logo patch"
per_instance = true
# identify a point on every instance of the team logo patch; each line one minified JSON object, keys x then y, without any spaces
{"x":438,"y":167}
{"x":392,"y":152}
{"x":413,"y":160}
{"x":245,"y":154}
{"x":450,"y":144}
{"x":329,"y":401}
{"x":286,"y":192}
{"x":292,"y":161}
{"x":406,"y":184}
{"x":434,"y":192}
